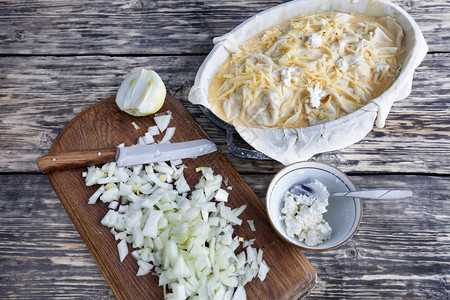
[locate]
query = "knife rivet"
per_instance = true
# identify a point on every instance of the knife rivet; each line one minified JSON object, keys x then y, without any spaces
{"x":99,"y":154}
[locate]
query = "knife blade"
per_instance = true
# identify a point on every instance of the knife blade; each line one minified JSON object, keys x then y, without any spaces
{"x":137,"y":155}
{"x":126,"y":156}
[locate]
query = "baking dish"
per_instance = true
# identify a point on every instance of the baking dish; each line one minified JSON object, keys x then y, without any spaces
{"x":296,"y":144}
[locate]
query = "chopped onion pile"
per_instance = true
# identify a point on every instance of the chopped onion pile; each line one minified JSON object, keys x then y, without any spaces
{"x":183,"y":236}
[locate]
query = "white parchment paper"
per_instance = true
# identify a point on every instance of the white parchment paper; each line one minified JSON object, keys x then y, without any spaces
{"x":291,"y":145}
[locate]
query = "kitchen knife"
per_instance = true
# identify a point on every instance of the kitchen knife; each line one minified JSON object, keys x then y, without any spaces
{"x":126,"y":156}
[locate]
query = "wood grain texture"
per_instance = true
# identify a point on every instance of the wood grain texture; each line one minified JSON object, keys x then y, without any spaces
{"x":141,"y":26}
{"x":415,"y":139}
{"x":76,"y":159}
{"x":101,"y":126}
{"x":400,"y":250}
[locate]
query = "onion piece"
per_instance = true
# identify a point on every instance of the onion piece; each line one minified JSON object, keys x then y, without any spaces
{"x":180,"y":269}
{"x":123,"y":209}
{"x":181,"y":185}
{"x":239,"y":210}
{"x":153,"y":130}
{"x":123,"y":249}
{"x":93,"y":175}
{"x":110,"y":218}
{"x":227,"y":214}
{"x":159,"y":182}
{"x":252,"y":225}
{"x":141,"y":141}
{"x":240,"y":293}
{"x":107,"y":180}
{"x":179,"y":291}
{"x":113,"y":205}
{"x":144,"y":268}
{"x":136,"y":126}
{"x":263,"y":270}
{"x":222,"y":195}
{"x":168,"y":136}
{"x":96,"y":195}
{"x":151,"y":225}
{"x":162,"y":121}
{"x":148,"y":138}
{"x":176,"y":162}
{"x":163,"y":168}
{"x":121,"y":174}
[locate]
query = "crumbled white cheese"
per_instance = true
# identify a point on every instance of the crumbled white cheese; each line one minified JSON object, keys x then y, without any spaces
{"x":315,"y":94}
{"x":321,"y":22}
{"x":342,"y":65}
{"x":286,"y":75}
{"x":303,"y":216}
{"x":314,"y":40}
{"x":355,"y":1}
{"x":381,"y":68}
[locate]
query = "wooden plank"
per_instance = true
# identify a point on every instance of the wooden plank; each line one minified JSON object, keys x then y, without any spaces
{"x":155,"y":27}
{"x":39,"y":96}
{"x":400,"y":250}
{"x":104,"y":125}
{"x":41,"y":253}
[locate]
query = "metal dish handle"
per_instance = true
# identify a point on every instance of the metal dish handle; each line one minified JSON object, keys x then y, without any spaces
{"x":235,"y":150}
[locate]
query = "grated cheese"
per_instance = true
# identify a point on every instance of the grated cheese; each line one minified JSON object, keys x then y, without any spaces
{"x":280,"y":78}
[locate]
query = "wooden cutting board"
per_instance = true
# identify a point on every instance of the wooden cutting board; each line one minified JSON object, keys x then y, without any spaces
{"x":104,"y":125}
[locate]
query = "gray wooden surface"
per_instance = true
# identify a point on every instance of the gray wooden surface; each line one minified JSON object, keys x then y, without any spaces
{"x":58,"y":57}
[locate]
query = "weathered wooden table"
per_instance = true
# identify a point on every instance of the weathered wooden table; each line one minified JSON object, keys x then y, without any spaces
{"x":59,"y":57}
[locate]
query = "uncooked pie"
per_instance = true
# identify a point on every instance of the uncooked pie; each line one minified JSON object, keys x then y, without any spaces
{"x":307,"y":71}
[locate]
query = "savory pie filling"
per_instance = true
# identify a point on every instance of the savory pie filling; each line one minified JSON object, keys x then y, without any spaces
{"x":309,"y":70}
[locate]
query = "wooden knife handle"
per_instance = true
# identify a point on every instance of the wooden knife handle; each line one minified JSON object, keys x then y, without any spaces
{"x":68,"y":160}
